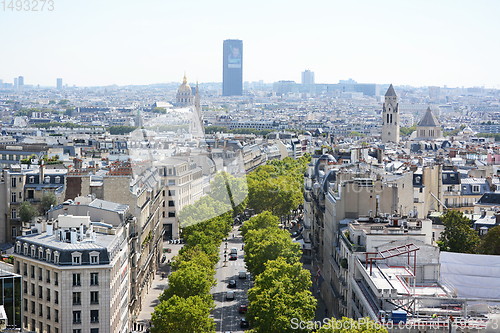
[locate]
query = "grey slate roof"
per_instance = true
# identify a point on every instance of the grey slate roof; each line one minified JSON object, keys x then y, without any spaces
{"x":429,"y":119}
{"x":391,"y":91}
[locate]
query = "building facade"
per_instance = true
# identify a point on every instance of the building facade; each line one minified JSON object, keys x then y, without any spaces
{"x":390,"y":117}
{"x":232,"y":81}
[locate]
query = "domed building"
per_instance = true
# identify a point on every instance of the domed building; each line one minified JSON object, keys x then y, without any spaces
{"x":184,"y":93}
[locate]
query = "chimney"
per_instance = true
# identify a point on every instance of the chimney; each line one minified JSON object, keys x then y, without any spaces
{"x":49,"y":229}
{"x":73,"y":236}
{"x":41,"y":173}
{"x":82,"y":235}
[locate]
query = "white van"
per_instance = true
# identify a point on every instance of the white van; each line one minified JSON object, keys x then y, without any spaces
{"x":243,"y":275}
{"x":234,"y":250}
{"x":230,"y":294}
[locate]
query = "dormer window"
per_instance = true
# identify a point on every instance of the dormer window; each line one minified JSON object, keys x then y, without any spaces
{"x":46,"y":179}
{"x":40,"y":253}
{"x":18,"y":247}
{"x":25,"y":249}
{"x":94,"y":258}
{"x":56,"y":257}
{"x":76,"y":258}
{"x":33,"y":251}
{"x":47,"y":254}
{"x":32,"y":180}
{"x":58,"y":180}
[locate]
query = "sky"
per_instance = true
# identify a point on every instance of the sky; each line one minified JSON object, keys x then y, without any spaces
{"x":404,"y":42}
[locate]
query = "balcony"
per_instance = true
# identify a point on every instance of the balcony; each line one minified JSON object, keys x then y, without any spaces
{"x":352,"y":247}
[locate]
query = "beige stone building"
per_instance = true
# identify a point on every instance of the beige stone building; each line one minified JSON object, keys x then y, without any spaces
{"x":75,"y":276}
{"x":390,"y":117}
{"x":428,"y":128}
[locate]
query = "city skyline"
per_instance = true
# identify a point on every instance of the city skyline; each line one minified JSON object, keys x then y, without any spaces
{"x":97,"y":44}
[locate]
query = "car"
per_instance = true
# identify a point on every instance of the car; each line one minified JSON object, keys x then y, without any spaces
{"x":231,"y":284}
{"x":242,"y":275}
{"x":230,"y":294}
{"x":233,"y":256}
{"x":243,"y":308}
{"x":244,"y":323}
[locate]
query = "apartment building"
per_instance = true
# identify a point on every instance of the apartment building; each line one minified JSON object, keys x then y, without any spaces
{"x":75,"y":276}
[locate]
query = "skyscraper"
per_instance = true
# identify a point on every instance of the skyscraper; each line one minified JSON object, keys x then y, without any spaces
{"x":15,"y":83}
{"x":20,"y":81}
{"x":390,"y":117}
{"x":59,"y":84}
{"x":232,"y":81}
{"x":307,"y":77}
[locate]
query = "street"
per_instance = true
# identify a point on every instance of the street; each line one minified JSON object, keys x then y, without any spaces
{"x":225,"y":314}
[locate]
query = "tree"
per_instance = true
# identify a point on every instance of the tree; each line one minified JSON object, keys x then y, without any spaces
{"x":159,"y":110}
{"x":190,"y":315}
{"x":262,"y":221}
{"x":192,"y":254}
{"x":69,"y":111}
{"x":348,"y":325}
{"x":458,"y":236}
{"x":269,"y":244}
{"x":491,"y":242}
{"x":281,"y":293}
{"x":190,"y":280}
{"x":48,"y":200}
{"x":27,"y":211}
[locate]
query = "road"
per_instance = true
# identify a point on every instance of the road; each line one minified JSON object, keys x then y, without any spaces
{"x":225,"y":314}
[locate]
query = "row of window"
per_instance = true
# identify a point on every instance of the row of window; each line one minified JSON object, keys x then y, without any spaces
{"x":76,"y":256}
{"x":31,"y":180}
{"x":49,"y":328}
{"x":40,"y":273}
{"x":40,"y":292}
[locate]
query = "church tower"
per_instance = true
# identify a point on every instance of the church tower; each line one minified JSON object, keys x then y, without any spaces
{"x":390,"y":117}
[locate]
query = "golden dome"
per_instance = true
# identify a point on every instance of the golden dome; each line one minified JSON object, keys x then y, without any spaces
{"x":185,"y":86}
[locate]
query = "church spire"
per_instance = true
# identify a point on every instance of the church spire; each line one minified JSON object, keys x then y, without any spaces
{"x":391,"y":91}
{"x":184,"y":81}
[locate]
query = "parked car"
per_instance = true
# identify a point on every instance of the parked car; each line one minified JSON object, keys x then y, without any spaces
{"x":231,"y":284}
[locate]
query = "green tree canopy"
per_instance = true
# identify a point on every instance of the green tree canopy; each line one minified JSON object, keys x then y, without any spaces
{"x":491,"y":242}
{"x":407,"y":130}
{"x":27,"y":211}
{"x":177,"y":314}
{"x":190,"y":280}
{"x":281,"y":293}
{"x":458,"y":235}
{"x":48,"y":200}
{"x":269,"y":244}
{"x":263,"y":220}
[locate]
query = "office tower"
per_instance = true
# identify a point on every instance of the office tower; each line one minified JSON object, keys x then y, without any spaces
{"x":15,"y":83}
{"x":20,"y":81}
{"x":307,"y":77}
{"x":59,"y":84}
{"x":390,"y":117}
{"x":232,"y":82}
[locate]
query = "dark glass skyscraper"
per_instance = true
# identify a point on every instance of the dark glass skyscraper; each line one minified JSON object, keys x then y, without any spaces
{"x":232,"y":81}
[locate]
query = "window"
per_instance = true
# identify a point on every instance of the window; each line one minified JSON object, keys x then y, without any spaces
{"x":14,"y":214}
{"x":40,"y":292}
{"x":171,"y":214}
{"x":76,"y":279}
{"x":20,"y":195}
{"x":94,"y":297}
{"x":56,"y":278}
{"x":14,"y":182}
{"x":171,"y":203}
{"x":33,"y":323}
{"x":48,"y":312}
{"x":77,"y":317}
{"x":26,"y":269}
{"x":475,"y":188}
{"x":25,"y":249}
{"x":56,"y":257}
{"x":94,"y":316}
{"x":25,"y":322}
{"x":94,"y":258}
{"x":94,"y":330}
{"x":32,"y":268}
{"x":77,"y":330}
{"x":25,"y":304}
{"x":48,"y":276}
{"x":40,"y":273}
{"x":94,"y":279}
{"x":77,"y":258}
{"x":32,"y":289}
{"x":77,"y":298}
{"x":40,"y":254}
{"x":40,"y":310}
{"x":46,"y":179}
{"x":32,"y":180}
{"x":450,"y":188}
{"x":33,"y":254}
{"x":48,"y":326}
{"x":14,"y":197}
{"x":47,"y":255}
{"x":25,"y":287}
{"x":56,"y":316}
{"x":32,"y":307}
{"x":58,"y":180}
{"x":56,"y":297}
{"x":48,"y":294}
{"x":171,"y":182}
{"x":171,"y":193}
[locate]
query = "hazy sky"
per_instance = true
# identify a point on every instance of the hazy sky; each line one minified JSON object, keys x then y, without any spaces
{"x":102,"y":42}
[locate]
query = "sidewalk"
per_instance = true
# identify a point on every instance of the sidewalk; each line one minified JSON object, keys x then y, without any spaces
{"x":157,"y":286}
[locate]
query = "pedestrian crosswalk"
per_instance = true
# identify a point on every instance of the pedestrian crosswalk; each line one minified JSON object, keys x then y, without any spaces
{"x":236,"y":263}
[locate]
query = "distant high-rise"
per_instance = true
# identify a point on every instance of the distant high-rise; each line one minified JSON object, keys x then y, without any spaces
{"x":232,"y":81}
{"x":390,"y":117}
{"x":59,"y":84}
{"x":434,"y":94}
{"x":20,"y":81}
{"x":15,"y":83}
{"x":307,"y":77}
